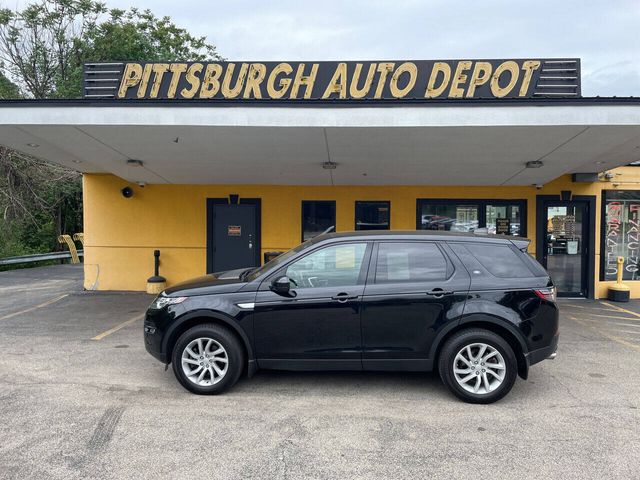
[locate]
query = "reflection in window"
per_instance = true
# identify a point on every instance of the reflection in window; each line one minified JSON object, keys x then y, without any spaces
{"x":317,"y":217}
{"x":334,"y":266}
{"x":372,"y":215}
{"x":410,"y":262}
{"x":622,"y":234}
{"x":453,"y":218}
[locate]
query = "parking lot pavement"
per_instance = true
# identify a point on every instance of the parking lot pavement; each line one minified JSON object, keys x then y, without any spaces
{"x":72,"y":407}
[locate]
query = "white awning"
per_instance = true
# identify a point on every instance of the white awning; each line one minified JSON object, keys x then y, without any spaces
{"x":384,"y":145}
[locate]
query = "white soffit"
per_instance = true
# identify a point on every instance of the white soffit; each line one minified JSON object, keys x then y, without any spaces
{"x":405,"y":145}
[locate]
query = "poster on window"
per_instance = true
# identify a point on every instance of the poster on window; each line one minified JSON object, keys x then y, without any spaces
{"x":621,"y":234}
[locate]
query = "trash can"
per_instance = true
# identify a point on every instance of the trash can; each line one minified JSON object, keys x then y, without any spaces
{"x":268,"y":256}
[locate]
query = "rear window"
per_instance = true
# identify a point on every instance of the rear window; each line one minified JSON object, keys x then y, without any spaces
{"x":410,"y":262}
{"x":500,"y":260}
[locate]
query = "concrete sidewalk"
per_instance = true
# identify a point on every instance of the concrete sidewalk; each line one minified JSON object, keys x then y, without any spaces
{"x":72,"y":407}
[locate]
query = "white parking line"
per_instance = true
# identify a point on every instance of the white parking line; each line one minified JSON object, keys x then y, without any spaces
{"x":117,"y":327}
{"x":31,"y":309}
{"x":616,"y":339}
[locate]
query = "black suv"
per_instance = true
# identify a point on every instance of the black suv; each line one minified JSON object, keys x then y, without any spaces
{"x":477,"y":308}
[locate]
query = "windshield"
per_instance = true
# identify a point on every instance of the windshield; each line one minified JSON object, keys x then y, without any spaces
{"x":275,"y":262}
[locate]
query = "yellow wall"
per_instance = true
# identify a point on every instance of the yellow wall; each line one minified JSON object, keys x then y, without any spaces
{"x":121,"y":234}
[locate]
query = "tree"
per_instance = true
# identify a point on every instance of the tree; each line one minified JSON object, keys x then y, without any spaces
{"x":42,"y":51}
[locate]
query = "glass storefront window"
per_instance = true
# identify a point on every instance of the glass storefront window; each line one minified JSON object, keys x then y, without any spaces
{"x":372,"y":215}
{"x":453,"y":218}
{"x":621,"y":234}
{"x":317,"y":216}
{"x":503,"y":219}
{"x":482,"y":216}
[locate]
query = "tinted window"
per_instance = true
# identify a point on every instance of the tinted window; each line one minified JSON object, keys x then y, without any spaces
{"x":317,"y":216}
{"x":410,"y":262}
{"x":372,"y":215}
{"x":334,"y":266}
{"x":500,"y":260}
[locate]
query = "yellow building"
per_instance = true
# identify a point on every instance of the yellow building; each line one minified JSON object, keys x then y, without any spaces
{"x":221,"y":182}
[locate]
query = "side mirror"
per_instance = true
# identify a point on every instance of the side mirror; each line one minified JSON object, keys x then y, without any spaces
{"x":281,"y":285}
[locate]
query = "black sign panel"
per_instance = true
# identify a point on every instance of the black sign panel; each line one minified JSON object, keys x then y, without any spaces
{"x":334,"y":81}
{"x":503,"y":226}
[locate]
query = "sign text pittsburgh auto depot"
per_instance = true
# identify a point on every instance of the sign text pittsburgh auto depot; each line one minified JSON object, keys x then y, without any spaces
{"x":447,"y":79}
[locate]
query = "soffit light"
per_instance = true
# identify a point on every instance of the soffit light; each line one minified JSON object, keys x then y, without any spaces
{"x":134,"y":163}
{"x":534,"y":164}
{"x":33,"y":145}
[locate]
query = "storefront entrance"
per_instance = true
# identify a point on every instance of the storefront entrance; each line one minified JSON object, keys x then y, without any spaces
{"x":564,"y":244}
{"x":233,"y":234}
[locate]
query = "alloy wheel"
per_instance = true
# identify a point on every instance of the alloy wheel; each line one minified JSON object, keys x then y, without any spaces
{"x":479,"y":368}
{"x":205,"y":361}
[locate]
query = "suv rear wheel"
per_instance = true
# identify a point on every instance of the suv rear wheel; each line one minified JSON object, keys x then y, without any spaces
{"x":207,"y":359}
{"x":478,"y":366}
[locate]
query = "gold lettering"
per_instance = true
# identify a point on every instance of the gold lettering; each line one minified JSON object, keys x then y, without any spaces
{"x":511,"y":67}
{"x":337,"y":82}
{"x":438,"y":68}
{"x":356,"y":92}
{"x":406,"y":67}
{"x":459,"y":78}
{"x":384,"y":69}
{"x":257,"y":72}
{"x":176,"y":70}
{"x":130,"y":78}
{"x":529,"y":66}
{"x":159,"y":69}
{"x":307,"y":81}
{"x":211,"y":81}
{"x":193,"y":80}
{"x":227,"y":90}
{"x":283,"y":83}
{"x":480,"y":76}
{"x":146,"y":74}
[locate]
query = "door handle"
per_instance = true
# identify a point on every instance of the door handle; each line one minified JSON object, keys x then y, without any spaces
{"x":344,"y":297}
{"x":439,"y":292}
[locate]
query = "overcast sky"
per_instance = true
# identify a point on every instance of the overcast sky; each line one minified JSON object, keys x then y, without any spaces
{"x":605,"y":34}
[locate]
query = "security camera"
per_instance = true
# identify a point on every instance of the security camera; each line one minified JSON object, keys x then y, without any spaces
{"x":142,"y":184}
{"x":609,"y":176}
{"x":127,"y":192}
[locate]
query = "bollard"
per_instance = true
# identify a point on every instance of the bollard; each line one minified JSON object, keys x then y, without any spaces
{"x":156,"y":283}
{"x":619,"y":292}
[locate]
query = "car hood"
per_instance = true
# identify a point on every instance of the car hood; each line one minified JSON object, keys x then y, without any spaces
{"x":219,"y":282}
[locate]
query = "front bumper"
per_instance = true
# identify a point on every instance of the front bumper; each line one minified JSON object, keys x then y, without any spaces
{"x":153,"y":341}
{"x":536,"y":356}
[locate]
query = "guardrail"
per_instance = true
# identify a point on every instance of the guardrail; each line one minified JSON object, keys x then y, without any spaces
{"x":38,"y":257}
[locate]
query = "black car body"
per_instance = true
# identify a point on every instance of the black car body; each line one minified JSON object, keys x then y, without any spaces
{"x":369,"y":301}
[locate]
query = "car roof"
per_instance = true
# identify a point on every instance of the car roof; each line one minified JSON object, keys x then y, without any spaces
{"x":520,"y":242}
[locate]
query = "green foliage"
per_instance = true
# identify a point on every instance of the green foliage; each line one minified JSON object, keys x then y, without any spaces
{"x":42,"y":51}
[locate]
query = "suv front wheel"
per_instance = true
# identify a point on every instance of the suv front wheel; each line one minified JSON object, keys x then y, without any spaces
{"x":478,"y":366}
{"x":207,"y":359}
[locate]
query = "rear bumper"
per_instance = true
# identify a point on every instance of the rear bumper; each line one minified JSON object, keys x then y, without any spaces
{"x":536,"y":356}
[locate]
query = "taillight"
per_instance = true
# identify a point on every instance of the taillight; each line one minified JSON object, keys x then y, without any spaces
{"x":546,"y":293}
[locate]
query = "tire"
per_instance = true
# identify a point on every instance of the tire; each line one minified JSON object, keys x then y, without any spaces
{"x":225,"y":354}
{"x":455,"y":369}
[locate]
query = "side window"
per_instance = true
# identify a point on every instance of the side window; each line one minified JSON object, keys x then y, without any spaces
{"x":500,"y":260}
{"x":410,"y":262}
{"x":335,"y":266}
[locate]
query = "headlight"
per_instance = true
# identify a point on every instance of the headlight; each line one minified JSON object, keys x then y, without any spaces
{"x":160,"y":302}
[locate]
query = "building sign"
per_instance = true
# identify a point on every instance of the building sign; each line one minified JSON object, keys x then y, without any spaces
{"x":422,"y":80}
{"x":234,"y":230}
